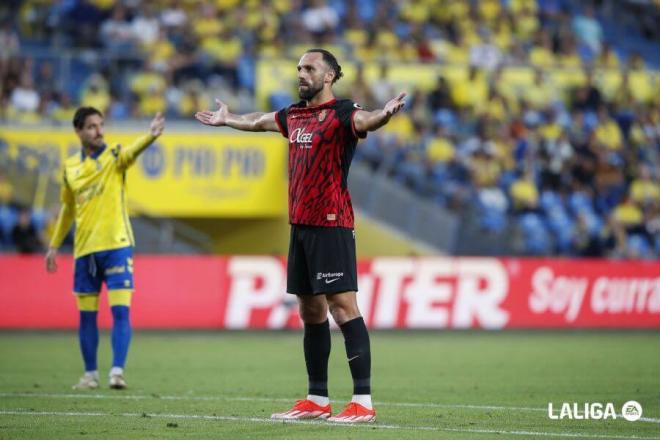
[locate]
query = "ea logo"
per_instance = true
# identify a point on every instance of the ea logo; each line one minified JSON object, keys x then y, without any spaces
{"x":631,"y":411}
{"x":153,"y":161}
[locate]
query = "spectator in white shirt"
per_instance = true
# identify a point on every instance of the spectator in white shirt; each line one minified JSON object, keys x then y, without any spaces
{"x":485,"y":55}
{"x":117,"y":32}
{"x":174,"y":16}
{"x":146,"y":26}
{"x":588,"y":30}
{"x":25,"y":98}
{"x":320,"y":18}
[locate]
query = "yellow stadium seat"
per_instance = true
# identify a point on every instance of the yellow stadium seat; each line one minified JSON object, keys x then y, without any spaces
{"x":440,"y":150}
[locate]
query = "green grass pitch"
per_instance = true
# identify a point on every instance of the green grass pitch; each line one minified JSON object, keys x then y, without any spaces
{"x":440,"y":385}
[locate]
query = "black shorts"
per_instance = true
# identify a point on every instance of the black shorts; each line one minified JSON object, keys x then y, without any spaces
{"x":321,"y":260}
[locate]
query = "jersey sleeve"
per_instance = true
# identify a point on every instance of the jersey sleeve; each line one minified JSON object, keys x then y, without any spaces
{"x":280,"y":119}
{"x":126,"y":156}
{"x":346,"y":112}
{"x":66,"y":215}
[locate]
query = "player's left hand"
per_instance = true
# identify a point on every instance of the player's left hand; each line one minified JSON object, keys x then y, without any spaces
{"x":157,"y":125}
{"x":51,"y":262}
{"x":394,"y":105}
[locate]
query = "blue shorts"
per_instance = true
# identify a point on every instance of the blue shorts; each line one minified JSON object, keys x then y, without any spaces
{"x":115,"y":267}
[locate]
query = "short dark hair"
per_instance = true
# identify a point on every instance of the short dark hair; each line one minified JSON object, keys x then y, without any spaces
{"x":81,"y":116}
{"x":331,"y":61}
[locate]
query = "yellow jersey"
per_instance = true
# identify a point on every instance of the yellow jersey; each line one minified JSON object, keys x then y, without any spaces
{"x":93,"y":193}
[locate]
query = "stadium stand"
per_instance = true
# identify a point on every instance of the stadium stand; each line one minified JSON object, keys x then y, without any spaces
{"x":541,"y":114}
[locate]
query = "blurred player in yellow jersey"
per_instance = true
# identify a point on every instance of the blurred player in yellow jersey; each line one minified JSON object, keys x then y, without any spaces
{"x":94,"y":195}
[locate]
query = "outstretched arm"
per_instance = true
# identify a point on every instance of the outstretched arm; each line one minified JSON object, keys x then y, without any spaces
{"x":370,"y":121}
{"x":248,"y":122}
{"x":128,"y":155}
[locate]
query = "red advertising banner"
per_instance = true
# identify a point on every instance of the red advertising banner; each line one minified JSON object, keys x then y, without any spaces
{"x":429,"y":293}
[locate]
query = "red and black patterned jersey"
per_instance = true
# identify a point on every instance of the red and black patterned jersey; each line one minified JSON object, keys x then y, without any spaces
{"x":322,"y":141}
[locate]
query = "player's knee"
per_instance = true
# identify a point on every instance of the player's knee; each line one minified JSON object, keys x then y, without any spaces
{"x":120,"y":313}
{"x":340,"y":313}
{"x":313,"y":312}
{"x":342,"y":309}
{"x":120,"y":297}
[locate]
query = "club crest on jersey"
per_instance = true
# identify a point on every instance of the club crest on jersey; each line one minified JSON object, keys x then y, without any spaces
{"x":321,"y":115}
{"x":299,"y":136}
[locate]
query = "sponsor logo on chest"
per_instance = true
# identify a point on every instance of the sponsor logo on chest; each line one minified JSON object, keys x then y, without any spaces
{"x":301,"y":137}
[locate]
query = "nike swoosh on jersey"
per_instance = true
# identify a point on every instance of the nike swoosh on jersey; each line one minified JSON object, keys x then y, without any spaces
{"x":331,"y":281}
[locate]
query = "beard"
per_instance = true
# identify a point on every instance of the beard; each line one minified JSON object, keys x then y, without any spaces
{"x":310,"y":91}
{"x":94,"y":144}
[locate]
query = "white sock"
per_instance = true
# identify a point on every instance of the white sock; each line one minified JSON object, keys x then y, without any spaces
{"x":319,"y":400}
{"x":363,"y":399}
{"x":94,"y":374}
{"x":116,"y":370}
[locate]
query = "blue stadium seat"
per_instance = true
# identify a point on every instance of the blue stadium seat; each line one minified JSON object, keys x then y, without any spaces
{"x":39,"y":219}
{"x":370,"y":151}
{"x":493,"y":221}
{"x":340,"y":7}
{"x":638,"y":246}
{"x":367,"y":9}
{"x":439,"y":174}
{"x":561,"y":226}
{"x":411,"y":173}
{"x":445,"y":118}
{"x":609,"y":198}
{"x":80,"y":71}
{"x":594,"y":223}
{"x":536,"y":239}
{"x":590,"y":120}
{"x":492,"y":208}
{"x":279,"y":100}
{"x":8,"y":219}
{"x":550,"y":201}
{"x":580,"y":202}
{"x":246,"y":72}
{"x":506,"y":180}
{"x":119,"y":110}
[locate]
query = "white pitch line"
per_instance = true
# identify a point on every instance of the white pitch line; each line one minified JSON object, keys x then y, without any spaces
{"x":146,"y":397}
{"x":261,"y":399}
{"x":320,"y":423}
{"x":281,"y":399}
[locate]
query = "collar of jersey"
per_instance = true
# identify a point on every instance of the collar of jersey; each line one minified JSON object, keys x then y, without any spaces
{"x":302,"y":108}
{"x":94,"y":155}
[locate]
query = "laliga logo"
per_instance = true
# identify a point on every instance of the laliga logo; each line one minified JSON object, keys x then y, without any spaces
{"x":631,"y":411}
{"x":299,"y":136}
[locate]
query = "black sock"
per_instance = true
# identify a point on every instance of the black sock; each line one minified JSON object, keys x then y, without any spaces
{"x":317,"y":351}
{"x":358,"y":352}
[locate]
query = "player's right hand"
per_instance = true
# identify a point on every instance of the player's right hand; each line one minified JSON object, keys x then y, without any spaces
{"x":157,"y":125}
{"x":394,"y":105}
{"x":51,"y":264}
{"x":216,"y":118}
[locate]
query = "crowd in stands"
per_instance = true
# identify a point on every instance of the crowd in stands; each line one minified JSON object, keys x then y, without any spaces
{"x":574,"y":165}
{"x":21,"y":230}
